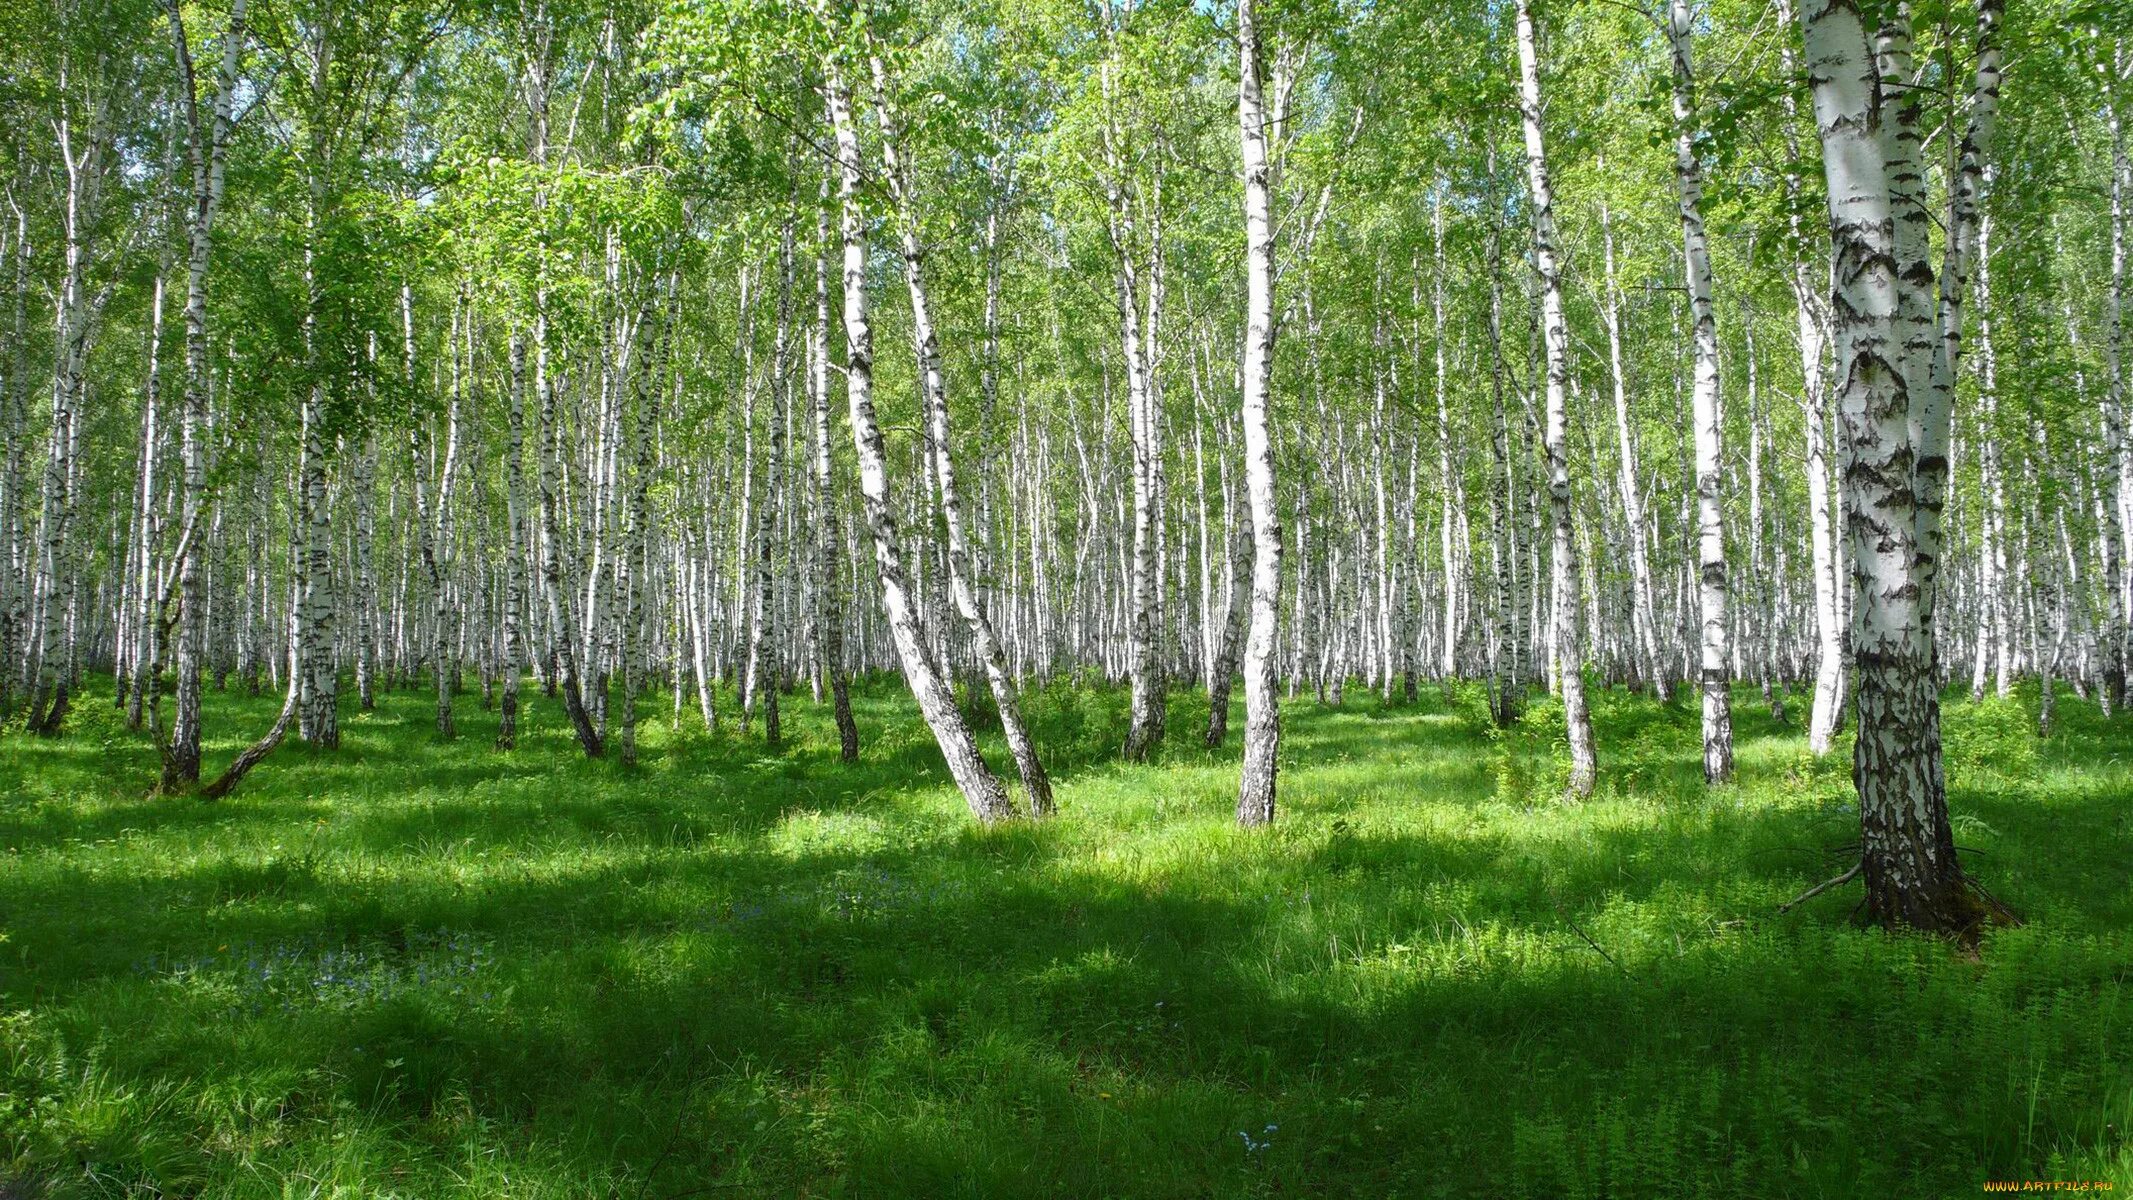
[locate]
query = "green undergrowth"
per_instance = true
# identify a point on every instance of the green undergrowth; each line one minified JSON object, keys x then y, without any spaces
{"x":418,"y":969}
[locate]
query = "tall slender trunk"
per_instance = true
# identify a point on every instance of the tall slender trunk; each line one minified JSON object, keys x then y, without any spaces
{"x":1994,"y":631}
{"x":143,"y":655}
{"x":637,"y":558}
{"x":363,"y":484}
{"x":1714,"y":670}
{"x":1507,"y":682}
{"x":74,"y":314}
{"x":1143,"y":656}
{"x":1262,"y":723}
{"x":1447,"y":483}
{"x":1811,"y":336}
{"x":562,"y":628}
{"x":14,"y":424}
{"x":513,"y":642}
{"x":318,"y":690}
{"x":2118,"y":448}
{"x":1555,"y":338}
{"x":428,"y":516}
{"x":1642,"y":613}
{"x":829,"y":532}
{"x":761,"y":690}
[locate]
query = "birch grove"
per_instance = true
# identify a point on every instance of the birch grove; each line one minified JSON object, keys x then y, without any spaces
{"x":1620,"y":348}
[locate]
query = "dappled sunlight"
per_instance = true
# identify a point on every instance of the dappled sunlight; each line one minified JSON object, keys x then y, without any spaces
{"x":480,"y":969}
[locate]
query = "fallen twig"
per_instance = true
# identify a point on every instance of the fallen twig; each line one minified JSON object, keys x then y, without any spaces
{"x":1596,"y":947}
{"x":1820,"y":888}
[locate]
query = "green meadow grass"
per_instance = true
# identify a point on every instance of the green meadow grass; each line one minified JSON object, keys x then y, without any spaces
{"x":417,"y":969}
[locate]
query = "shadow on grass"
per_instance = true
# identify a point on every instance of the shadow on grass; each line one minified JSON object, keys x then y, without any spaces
{"x":784,"y":976}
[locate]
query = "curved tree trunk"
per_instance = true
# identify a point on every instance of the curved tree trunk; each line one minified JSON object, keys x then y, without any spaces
{"x":933,"y":391}
{"x":980,"y":787}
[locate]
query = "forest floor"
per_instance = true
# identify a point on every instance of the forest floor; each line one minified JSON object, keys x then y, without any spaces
{"x":420,"y":969}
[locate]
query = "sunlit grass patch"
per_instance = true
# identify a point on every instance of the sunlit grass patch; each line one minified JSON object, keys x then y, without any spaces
{"x":424,"y":969}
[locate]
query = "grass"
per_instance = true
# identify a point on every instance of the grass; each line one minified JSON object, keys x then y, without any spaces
{"x":415,"y":969}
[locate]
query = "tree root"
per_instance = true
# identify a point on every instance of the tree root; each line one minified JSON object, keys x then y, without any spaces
{"x":1988,"y":909}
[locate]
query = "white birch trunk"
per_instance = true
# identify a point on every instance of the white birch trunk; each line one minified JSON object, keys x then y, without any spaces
{"x":987,"y":799}
{"x":1555,"y":337}
{"x":1714,"y":675}
{"x":1262,"y":728}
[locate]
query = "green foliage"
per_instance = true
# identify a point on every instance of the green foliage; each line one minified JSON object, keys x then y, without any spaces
{"x":1991,"y":744}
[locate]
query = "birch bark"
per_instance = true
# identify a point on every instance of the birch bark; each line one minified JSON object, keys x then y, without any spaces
{"x":1262,"y":729}
{"x":981,"y":789}
{"x":1714,"y":674}
{"x":1555,"y":338}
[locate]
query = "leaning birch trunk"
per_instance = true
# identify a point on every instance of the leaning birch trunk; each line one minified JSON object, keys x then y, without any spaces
{"x":252,"y":755}
{"x":1555,"y":338}
{"x":293,"y":649}
{"x":829,"y":532}
{"x":562,"y":625}
{"x":933,"y":391}
{"x":1262,"y":719}
{"x":1714,"y":673}
{"x":981,"y":789}
{"x":1907,"y":844}
{"x":256,"y":753}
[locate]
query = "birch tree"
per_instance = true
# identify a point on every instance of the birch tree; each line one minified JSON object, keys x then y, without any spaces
{"x":1555,"y":338}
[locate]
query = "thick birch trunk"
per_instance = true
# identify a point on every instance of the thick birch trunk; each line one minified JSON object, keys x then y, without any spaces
{"x":1907,"y":844}
{"x":1810,"y":323}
